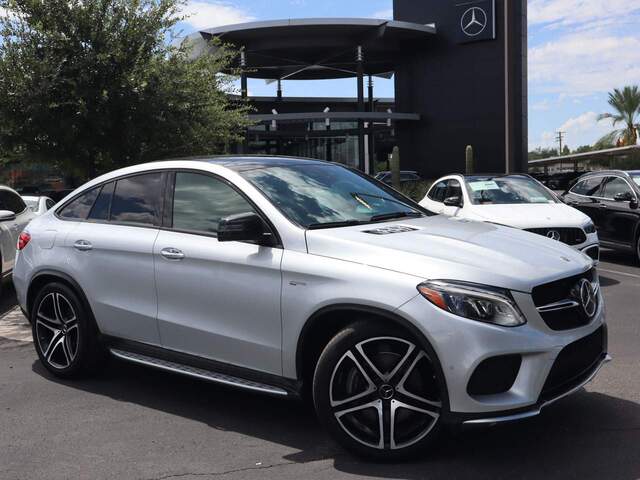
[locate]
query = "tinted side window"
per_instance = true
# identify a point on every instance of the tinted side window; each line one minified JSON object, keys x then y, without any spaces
{"x":454,"y":189}
{"x":438,"y":191}
{"x":409,"y":176}
{"x":138,"y":199}
{"x":200,"y":201}
{"x":11,"y":201}
{"x":49,"y":203}
{"x":100,"y":210}
{"x":615,"y":185}
{"x":588,"y":187}
{"x":78,"y":209}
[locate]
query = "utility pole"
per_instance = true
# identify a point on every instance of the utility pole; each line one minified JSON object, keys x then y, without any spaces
{"x":559,"y":137}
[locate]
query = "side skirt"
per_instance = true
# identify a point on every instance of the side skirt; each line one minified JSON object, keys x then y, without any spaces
{"x":202,"y":368}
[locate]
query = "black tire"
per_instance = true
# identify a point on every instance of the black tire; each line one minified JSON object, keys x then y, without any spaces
{"x":394,"y":375}
{"x":64,"y":333}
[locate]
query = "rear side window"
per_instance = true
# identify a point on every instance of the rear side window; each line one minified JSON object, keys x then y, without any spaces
{"x":11,"y":201}
{"x":138,"y":199}
{"x":201,"y":201}
{"x":78,"y":208}
{"x":588,"y":187}
{"x":438,"y":191}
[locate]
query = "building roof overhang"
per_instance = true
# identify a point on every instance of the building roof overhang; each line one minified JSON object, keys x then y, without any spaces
{"x":324,"y":48}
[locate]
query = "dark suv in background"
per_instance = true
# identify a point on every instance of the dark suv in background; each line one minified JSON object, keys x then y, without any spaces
{"x":611,"y":199}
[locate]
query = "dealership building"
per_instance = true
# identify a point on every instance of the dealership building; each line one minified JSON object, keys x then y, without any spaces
{"x":459,"y":69}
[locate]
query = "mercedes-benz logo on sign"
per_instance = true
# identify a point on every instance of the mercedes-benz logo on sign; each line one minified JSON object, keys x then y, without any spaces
{"x":588,"y":297}
{"x":473,"y":21}
{"x":553,"y":235}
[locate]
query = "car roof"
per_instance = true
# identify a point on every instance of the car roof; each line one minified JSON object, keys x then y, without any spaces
{"x":241,"y":163}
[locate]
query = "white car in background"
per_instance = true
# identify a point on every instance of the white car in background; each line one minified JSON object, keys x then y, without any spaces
{"x":14,"y":216}
{"x":38,"y":204}
{"x":517,"y":201}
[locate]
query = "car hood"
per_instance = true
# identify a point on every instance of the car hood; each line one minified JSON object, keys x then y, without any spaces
{"x":530,"y":215}
{"x":450,"y":248}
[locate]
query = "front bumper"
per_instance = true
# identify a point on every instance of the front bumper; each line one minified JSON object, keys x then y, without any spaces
{"x":510,"y":416}
{"x":462,"y":345}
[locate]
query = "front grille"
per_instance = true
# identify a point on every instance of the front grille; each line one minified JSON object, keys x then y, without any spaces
{"x":570,"y":236}
{"x":571,"y":314}
{"x":575,"y":363}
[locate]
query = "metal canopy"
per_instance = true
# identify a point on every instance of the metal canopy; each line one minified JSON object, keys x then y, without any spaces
{"x":312,"y":49}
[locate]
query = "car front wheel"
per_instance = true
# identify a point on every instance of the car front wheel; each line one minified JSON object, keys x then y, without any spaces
{"x":376,"y":390}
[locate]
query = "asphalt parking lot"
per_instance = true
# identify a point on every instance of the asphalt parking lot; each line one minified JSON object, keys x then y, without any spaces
{"x":137,"y":423}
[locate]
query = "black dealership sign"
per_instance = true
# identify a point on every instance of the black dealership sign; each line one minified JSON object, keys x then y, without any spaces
{"x":476,"y":21}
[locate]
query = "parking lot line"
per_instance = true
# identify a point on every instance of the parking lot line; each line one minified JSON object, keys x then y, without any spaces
{"x":616,"y":272}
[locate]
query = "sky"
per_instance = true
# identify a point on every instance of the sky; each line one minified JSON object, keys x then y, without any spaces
{"x":579,"y":50}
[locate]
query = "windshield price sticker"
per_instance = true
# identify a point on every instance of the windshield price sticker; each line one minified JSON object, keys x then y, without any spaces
{"x":485,"y":185}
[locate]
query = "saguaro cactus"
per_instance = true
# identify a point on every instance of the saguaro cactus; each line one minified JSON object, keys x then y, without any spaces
{"x":469,"y":159}
{"x":395,"y":168}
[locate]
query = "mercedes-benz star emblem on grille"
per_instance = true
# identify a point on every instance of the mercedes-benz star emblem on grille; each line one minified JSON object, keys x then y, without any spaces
{"x":473,"y":21}
{"x":553,"y":235}
{"x":588,"y":297}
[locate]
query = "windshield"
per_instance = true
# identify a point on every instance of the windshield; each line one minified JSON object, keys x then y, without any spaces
{"x":507,"y":190}
{"x":323,"y":196}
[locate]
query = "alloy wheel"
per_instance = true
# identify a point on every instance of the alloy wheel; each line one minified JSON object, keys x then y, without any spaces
{"x":57,"y":332}
{"x":384,"y":395}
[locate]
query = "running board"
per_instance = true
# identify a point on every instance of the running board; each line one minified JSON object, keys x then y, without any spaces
{"x":197,"y":372}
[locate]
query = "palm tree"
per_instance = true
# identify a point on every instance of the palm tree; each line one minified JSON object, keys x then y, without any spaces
{"x":626,"y":104}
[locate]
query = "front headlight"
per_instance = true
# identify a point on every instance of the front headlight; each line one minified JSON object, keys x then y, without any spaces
{"x":590,"y":228}
{"x":476,"y":302}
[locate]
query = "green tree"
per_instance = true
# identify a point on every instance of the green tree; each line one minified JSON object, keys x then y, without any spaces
{"x":97,"y":84}
{"x":540,"y":153}
{"x":626,"y":103}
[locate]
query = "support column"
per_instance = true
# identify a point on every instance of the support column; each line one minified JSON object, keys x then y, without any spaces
{"x":244,"y":91}
{"x":279,"y":93}
{"x":371,"y":132}
{"x":360,"y":71}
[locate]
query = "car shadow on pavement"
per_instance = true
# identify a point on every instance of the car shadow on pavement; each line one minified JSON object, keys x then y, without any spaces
{"x":587,"y":435}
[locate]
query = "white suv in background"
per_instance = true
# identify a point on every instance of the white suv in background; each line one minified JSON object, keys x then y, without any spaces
{"x":14,"y":216}
{"x":517,"y":201}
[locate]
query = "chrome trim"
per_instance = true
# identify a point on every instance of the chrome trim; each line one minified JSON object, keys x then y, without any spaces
{"x":197,"y":372}
{"x":536,"y":410}
{"x":561,"y":305}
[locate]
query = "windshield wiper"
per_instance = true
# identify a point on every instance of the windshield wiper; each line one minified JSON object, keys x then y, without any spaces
{"x":344,"y":223}
{"x":391,"y":216}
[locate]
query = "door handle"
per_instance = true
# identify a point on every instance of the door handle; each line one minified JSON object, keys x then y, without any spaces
{"x":602,"y":205}
{"x":83,"y":245}
{"x":171,"y":253}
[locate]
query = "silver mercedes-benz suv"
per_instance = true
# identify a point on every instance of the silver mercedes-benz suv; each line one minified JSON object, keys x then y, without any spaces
{"x":295,"y":277}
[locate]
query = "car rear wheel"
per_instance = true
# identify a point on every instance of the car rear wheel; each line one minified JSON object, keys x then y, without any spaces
{"x":64,"y":335}
{"x":376,"y":390}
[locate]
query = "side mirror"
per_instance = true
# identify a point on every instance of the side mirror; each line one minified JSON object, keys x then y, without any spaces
{"x":7,"y":215}
{"x":453,"y":202}
{"x":623,"y":197}
{"x":245,"y":227}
